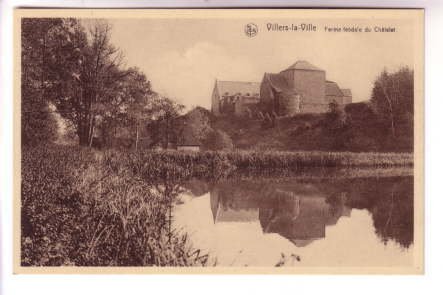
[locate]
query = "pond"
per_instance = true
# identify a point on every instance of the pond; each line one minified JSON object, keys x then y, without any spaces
{"x":291,"y":221}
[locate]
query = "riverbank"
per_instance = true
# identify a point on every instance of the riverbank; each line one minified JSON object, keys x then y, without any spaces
{"x":84,"y":207}
{"x":75,"y":211}
{"x":174,"y":164}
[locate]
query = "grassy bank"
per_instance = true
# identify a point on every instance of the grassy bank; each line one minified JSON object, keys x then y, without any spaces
{"x":98,"y":208}
{"x":76,"y":211}
{"x":172,"y":164}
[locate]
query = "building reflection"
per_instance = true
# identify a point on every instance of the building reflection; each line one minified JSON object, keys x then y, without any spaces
{"x":300,"y":210}
{"x":299,"y":213}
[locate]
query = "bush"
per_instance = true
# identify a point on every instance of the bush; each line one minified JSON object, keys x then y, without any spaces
{"x":38,"y":124}
{"x":218,"y":140}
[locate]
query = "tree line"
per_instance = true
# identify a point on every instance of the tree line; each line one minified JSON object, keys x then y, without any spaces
{"x":384,"y":123}
{"x":74,"y":68}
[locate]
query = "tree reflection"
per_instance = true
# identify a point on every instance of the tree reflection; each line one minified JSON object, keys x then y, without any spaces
{"x":391,"y":202}
{"x":300,"y":210}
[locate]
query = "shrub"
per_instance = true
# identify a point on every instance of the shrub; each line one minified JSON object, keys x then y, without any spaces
{"x":218,"y":140}
{"x":38,"y":124}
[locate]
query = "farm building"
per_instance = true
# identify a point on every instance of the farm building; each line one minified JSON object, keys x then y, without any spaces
{"x":347,"y":96}
{"x":188,"y":147}
{"x":301,"y":88}
{"x":333,"y":93}
{"x":233,"y":97}
{"x":298,"y":213}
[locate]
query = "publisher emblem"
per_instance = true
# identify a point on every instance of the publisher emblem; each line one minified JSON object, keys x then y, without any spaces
{"x":251,"y":30}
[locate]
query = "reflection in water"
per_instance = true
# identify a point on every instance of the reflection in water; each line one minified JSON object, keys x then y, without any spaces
{"x":300,"y":215}
{"x":252,"y":219}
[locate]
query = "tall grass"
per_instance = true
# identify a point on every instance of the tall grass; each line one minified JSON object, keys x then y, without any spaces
{"x":75,"y":211}
{"x":173,"y":164}
{"x":91,"y":208}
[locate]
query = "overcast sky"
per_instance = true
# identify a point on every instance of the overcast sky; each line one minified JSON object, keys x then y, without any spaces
{"x":182,"y":58}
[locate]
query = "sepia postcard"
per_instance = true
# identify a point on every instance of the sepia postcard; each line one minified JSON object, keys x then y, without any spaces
{"x":219,"y":141}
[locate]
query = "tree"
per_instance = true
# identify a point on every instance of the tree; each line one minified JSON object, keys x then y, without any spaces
{"x":218,"y":140}
{"x":95,"y":78}
{"x":37,"y":121}
{"x":81,"y":73}
{"x":140,"y":100}
{"x":163,"y":128}
{"x":334,"y":130}
{"x":46,"y":51}
{"x":393,"y":98}
{"x":195,"y":124}
{"x":334,"y":116}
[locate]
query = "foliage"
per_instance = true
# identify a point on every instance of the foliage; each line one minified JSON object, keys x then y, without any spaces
{"x":218,"y":140}
{"x":195,"y":125}
{"x":391,"y":203}
{"x":46,"y":59}
{"x":393,"y":98}
{"x":170,"y":164}
{"x":163,"y":129}
{"x":74,"y":66}
{"x":75,"y":211}
{"x":135,"y":103}
{"x":95,"y":80}
{"x":334,"y":128}
{"x":38,"y":123}
{"x":83,"y":207}
{"x":356,"y":127}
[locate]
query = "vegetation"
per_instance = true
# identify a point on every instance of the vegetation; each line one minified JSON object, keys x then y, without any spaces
{"x":75,"y":211}
{"x":82,"y":206}
{"x":390,"y":200}
{"x":382,"y":124}
{"x":75,"y":68}
{"x":172,"y":164}
{"x":357,"y":127}
{"x":393,"y":99}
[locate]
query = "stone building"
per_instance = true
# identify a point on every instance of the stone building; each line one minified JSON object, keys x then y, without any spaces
{"x":347,"y":95}
{"x":301,"y":88}
{"x":333,"y":93}
{"x":296,"y":211}
{"x":233,"y":97}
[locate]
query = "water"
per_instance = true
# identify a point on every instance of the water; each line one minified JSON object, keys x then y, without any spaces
{"x":268,"y":221}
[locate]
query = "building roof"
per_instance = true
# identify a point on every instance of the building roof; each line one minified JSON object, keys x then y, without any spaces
{"x":332,"y":89}
{"x":236,"y":87}
{"x":304,"y":65}
{"x":346,"y":91}
{"x":279,"y":83}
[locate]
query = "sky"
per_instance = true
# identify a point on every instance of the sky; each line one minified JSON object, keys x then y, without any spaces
{"x":183,"y":57}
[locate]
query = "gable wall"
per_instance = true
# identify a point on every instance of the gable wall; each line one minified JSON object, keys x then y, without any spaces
{"x":311,"y":85}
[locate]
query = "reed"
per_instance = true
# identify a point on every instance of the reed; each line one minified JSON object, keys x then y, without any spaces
{"x":210,"y":164}
{"x":85,"y":207}
{"x":75,"y":211}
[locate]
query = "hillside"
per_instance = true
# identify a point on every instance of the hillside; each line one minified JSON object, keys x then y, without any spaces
{"x":356,"y":128}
